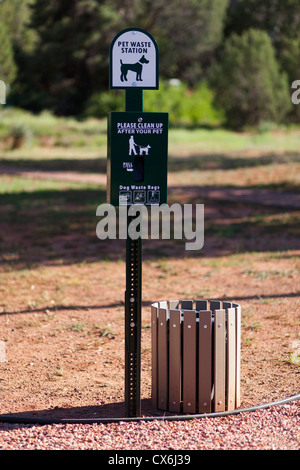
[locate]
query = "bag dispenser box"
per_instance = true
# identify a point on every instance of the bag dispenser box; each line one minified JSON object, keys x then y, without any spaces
{"x":137,"y":163}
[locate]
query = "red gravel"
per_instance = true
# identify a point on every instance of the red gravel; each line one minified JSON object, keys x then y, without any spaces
{"x":275,"y":428}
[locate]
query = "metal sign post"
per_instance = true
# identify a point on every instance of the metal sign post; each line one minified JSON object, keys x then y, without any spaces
{"x":136,"y":174}
{"x":133,"y":298}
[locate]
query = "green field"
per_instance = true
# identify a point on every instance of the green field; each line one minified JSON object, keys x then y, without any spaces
{"x":70,"y":155}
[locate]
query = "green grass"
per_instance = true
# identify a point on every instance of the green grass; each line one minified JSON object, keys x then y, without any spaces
{"x":223,"y":141}
{"x":90,"y":135}
{"x":56,"y":132}
{"x":47,"y":218}
{"x":18,"y":184}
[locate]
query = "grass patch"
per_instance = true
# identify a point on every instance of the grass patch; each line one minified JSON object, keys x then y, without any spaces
{"x":56,"y":219}
{"x":18,"y":184}
{"x":54,"y":132}
{"x":184,"y":141}
{"x":49,"y":130}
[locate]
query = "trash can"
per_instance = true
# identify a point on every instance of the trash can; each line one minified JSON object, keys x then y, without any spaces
{"x":195,"y":355}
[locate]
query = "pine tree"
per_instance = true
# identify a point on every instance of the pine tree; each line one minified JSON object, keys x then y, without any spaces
{"x":70,"y":59}
{"x":248,"y":82}
{"x":8,"y":67}
{"x":280,"y":19}
{"x":188,"y":31}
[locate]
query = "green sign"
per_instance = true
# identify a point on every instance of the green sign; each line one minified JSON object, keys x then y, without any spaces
{"x":137,"y":158}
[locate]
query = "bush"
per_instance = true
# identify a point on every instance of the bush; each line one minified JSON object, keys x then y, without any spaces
{"x":8,"y":68}
{"x":99,"y":104}
{"x":248,"y":82}
{"x":185,"y":106}
{"x":19,"y":134}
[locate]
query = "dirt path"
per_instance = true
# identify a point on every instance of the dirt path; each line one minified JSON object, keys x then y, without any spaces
{"x":262,"y":197}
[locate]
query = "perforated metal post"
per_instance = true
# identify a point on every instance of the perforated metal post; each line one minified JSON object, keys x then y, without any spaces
{"x":133,"y":295}
{"x":133,"y":327}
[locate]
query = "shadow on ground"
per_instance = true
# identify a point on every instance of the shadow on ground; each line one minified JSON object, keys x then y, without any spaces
{"x":43,"y":227}
{"x":106,"y":412}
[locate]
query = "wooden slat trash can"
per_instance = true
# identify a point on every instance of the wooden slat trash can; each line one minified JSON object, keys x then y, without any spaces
{"x":195,"y":356}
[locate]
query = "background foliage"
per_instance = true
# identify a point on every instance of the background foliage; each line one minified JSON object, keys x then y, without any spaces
{"x":235,"y":60}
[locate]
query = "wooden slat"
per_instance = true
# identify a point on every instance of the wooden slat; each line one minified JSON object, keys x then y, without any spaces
{"x":162,"y":366}
{"x":219,"y":360}
{"x":238,"y":355}
{"x":172,"y":304}
{"x":189,"y":361}
{"x":231,"y":360}
{"x":205,"y":362}
{"x":154,"y":313}
{"x":174,"y":361}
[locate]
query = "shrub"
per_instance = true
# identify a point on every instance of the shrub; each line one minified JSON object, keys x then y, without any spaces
{"x":19,"y":134}
{"x":8,"y":68}
{"x":185,"y":106}
{"x":248,"y":82}
{"x":99,"y":104}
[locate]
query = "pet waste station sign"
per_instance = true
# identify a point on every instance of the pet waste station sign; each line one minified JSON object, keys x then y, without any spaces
{"x":134,"y":60}
{"x":137,"y":158}
{"x":136,"y":176}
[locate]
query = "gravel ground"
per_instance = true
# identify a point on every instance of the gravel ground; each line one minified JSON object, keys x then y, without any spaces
{"x":274,"y":428}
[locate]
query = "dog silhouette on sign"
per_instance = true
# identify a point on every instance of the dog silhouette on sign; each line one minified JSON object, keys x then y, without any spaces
{"x":137,"y":68}
{"x":144,"y":149}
